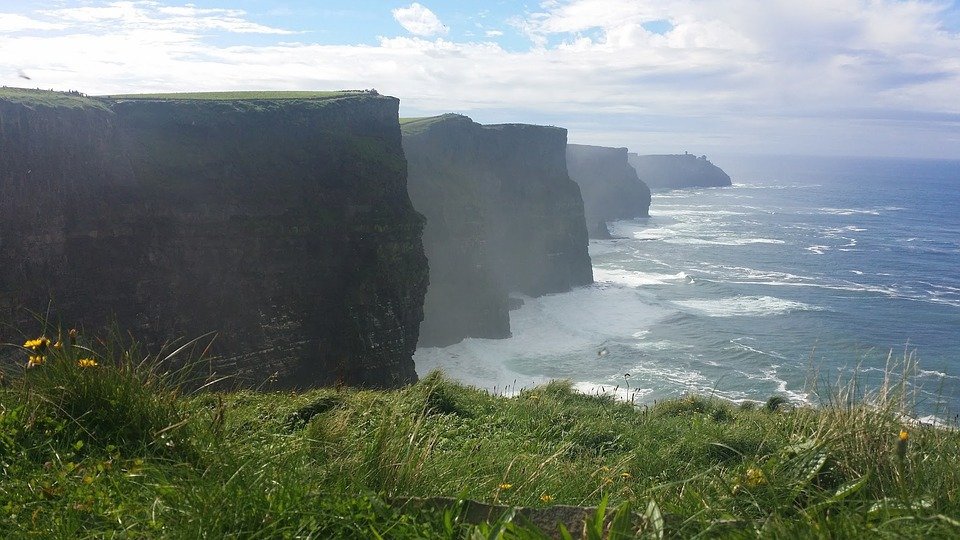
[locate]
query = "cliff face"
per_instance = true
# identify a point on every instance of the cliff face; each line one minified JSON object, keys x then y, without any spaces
{"x":610,"y":187}
{"x":283,"y":225}
{"x":676,"y":171}
{"x":502,"y":216}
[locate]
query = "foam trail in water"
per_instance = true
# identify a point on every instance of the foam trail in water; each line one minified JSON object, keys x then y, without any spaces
{"x":632,"y":278}
{"x":751,"y":306}
{"x":554,"y":336}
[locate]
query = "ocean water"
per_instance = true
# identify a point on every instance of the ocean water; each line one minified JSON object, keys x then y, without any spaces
{"x":805,"y":272}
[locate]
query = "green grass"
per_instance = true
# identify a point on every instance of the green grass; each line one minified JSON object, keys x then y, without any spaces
{"x":235,"y":96}
{"x":412,"y":126}
{"x":47,"y":98}
{"x":120,"y":450}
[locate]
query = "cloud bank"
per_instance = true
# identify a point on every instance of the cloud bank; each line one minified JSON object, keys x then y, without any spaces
{"x":867,"y":77}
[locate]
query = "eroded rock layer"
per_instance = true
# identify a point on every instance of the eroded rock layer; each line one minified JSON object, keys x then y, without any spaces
{"x":282,"y":225}
{"x":502,"y":216}
{"x":610,"y":187}
{"x":677,"y":171}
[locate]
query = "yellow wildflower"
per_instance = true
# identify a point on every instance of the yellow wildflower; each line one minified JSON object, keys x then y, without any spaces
{"x":58,"y":345}
{"x":755,"y":477}
{"x":38,"y":344}
{"x":902,"y":444}
{"x":505,"y":486}
{"x":546,"y":498}
{"x":626,"y":475}
{"x":87,"y":362}
{"x":35,"y":361}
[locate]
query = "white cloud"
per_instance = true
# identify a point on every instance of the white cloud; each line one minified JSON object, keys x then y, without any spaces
{"x":12,"y":22}
{"x":419,"y":21}
{"x":493,"y":33}
{"x":854,"y":76}
{"x":149,"y":14}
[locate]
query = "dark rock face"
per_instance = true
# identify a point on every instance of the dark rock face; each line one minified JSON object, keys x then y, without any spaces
{"x":502,"y":216}
{"x":610,"y":187}
{"x":282,"y":225}
{"x":677,"y":171}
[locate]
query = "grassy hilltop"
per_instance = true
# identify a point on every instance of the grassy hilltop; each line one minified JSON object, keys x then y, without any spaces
{"x":95,"y":441}
{"x":75,"y":100}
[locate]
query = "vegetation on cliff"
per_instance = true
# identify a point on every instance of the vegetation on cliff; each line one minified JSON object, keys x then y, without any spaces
{"x":235,"y":96}
{"x":45,"y":98}
{"x":96,"y":441}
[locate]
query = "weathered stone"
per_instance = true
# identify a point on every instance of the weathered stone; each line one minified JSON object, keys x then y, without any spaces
{"x":282,"y":225}
{"x":610,"y":187}
{"x":502,"y":216}
{"x":677,"y":171}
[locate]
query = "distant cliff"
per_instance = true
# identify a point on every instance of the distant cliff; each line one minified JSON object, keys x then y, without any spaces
{"x":282,"y":224}
{"x":502,"y":216}
{"x":610,"y":187}
{"x":676,"y":171}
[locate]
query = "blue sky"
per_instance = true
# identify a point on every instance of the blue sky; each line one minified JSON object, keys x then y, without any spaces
{"x":828,"y":77}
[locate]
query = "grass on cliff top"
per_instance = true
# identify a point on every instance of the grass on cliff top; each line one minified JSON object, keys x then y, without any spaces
{"x":413,"y":126}
{"x":96,"y":440}
{"x":48,"y":98}
{"x":235,"y":96}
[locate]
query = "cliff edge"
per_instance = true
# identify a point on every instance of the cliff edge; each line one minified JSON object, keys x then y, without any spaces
{"x":281,"y":223}
{"x":677,"y":171}
{"x":610,"y":187}
{"x":502,"y":216}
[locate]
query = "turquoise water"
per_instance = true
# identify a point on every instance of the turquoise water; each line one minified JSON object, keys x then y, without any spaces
{"x":802,"y":272}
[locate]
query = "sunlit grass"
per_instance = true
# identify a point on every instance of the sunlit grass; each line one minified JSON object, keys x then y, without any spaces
{"x":248,"y":95}
{"x":98,"y":440}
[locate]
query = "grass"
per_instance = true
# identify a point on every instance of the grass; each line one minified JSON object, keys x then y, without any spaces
{"x":49,"y":98}
{"x":413,"y":126}
{"x":233,"y":96}
{"x":120,"y":450}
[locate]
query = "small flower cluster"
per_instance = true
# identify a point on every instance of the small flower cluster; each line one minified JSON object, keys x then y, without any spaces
{"x":754,"y":477}
{"x":38,"y":350}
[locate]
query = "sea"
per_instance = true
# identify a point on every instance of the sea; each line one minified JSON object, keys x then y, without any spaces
{"x":806,"y":276}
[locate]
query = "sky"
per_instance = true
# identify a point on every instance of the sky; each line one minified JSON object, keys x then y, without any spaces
{"x":807,"y":77}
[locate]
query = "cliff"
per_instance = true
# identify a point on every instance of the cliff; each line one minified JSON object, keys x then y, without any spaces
{"x":610,"y":187}
{"x":676,"y":171}
{"x":281,"y":224}
{"x":502,"y":216}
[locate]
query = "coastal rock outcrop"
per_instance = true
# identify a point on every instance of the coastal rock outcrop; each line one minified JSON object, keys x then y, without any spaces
{"x":610,"y":187}
{"x":677,"y":171}
{"x":281,"y":224}
{"x":502,"y":216}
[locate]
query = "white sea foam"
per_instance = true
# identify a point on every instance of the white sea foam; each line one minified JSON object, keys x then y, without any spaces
{"x":632,"y":278}
{"x":935,"y":374}
{"x":720,"y":241}
{"x":819,"y":250}
{"x":849,"y":211}
{"x":739,"y":343}
{"x":774,"y":186}
{"x":749,"y":306}
{"x":552,"y":338}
